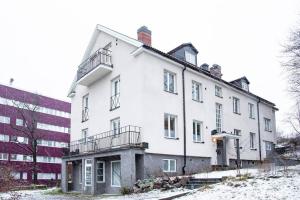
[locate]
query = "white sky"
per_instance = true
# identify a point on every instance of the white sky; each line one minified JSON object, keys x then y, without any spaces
{"x":42,"y":42}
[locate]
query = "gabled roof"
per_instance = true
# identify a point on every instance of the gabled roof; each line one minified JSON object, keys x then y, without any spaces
{"x":239,"y":79}
{"x":183,"y":45}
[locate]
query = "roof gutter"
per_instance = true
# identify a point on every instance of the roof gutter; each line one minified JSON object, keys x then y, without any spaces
{"x":184,"y":121}
{"x":258,"y":124}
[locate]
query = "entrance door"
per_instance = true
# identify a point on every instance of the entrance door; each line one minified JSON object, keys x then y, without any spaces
{"x":220,"y":152}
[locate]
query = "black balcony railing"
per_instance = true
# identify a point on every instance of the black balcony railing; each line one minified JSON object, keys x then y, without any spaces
{"x":85,"y":115}
{"x":115,"y":102}
{"x":127,"y":136}
{"x":101,"y":56}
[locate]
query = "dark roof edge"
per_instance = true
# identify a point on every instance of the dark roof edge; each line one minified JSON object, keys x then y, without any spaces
{"x":193,"y":67}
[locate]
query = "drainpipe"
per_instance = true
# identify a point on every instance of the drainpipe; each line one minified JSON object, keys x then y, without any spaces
{"x":184,"y":122}
{"x":258,"y":124}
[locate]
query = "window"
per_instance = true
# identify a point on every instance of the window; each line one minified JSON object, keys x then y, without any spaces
{"x":196,"y":91}
{"x":252,"y":140}
{"x":169,"y":165}
{"x":3,"y":156}
{"x":4,"y":138}
{"x":169,"y":81}
{"x":13,"y":157}
{"x":268,"y":146}
{"x":115,"y":173}
{"x":88,"y":172}
{"x":245,"y":86}
{"x":115,"y":94}
{"x":251,"y":110}
{"x":268,"y":125}
{"x":189,"y":57}
{"x":85,"y":108}
{"x":218,"y":91}
{"x":4,"y":120}
{"x":170,"y":126}
{"x":50,"y":127}
{"x":236,"y":105}
{"x":84,"y":134}
{"x":27,"y":158}
{"x":46,"y":176}
{"x":19,"y":122}
{"x":236,"y":132}
{"x":100,"y":170}
{"x":115,"y":126}
{"x":197,"y":131}
{"x":219,"y":117}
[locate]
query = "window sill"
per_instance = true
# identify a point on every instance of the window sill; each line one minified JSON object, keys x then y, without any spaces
{"x":268,"y":131}
{"x":82,"y":121}
{"x":253,"y":149}
{"x":171,"y":92}
{"x":100,"y":181}
{"x":170,"y":138}
{"x":115,"y":108}
{"x":200,"y":142}
{"x":251,"y":117}
{"x":169,"y":171}
{"x":219,"y":96}
{"x":198,"y":101}
{"x":237,"y":113}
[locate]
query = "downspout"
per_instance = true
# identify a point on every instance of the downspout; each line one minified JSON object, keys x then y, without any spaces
{"x":258,"y":124}
{"x":184,"y":122}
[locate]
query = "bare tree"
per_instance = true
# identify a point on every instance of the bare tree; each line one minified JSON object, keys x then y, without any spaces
{"x":29,"y":114}
{"x":291,"y":64}
{"x":294,"y":119}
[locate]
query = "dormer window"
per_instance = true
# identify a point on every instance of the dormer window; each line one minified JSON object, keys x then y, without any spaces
{"x":191,"y":58}
{"x":245,"y":86}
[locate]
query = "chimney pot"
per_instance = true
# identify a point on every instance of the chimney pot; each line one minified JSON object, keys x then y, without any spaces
{"x":144,"y":35}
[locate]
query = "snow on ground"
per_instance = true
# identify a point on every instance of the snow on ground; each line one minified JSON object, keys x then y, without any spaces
{"x":262,"y":186}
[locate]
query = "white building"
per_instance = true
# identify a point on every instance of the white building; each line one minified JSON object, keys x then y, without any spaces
{"x":137,"y":111}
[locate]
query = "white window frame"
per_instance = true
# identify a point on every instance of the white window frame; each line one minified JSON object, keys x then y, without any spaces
{"x":196,"y":137}
{"x":251,"y":111}
{"x":218,"y":91}
{"x":268,"y":146}
{"x":84,"y":134}
{"x":190,"y":57}
{"x":88,"y":165}
{"x":236,"y":132}
{"x":111,"y":170}
{"x":219,"y":117}
{"x":268,"y":125}
{"x":4,"y":138}
{"x":197,"y":91}
{"x":115,"y":125}
{"x":167,"y":75}
{"x":169,"y":165}
{"x":236,"y":105}
{"x":2,"y":155}
{"x":115,"y":86}
{"x":4,"y":120}
{"x":245,"y":86}
{"x":168,"y":131}
{"x":103,"y":175}
{"x":19,"y":122}
{"x":252,"y":140}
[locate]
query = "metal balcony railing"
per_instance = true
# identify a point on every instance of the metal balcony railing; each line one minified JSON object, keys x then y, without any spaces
{"x":115,"y":101}
{"x":101,"y":56}
{"x":85,"y":115}
{"x":127,"y":136}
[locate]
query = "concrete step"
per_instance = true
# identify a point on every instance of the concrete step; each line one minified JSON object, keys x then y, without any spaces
{"x":194,"y":183}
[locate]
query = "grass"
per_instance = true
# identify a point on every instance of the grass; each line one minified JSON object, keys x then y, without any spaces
{"x":56,"y":191}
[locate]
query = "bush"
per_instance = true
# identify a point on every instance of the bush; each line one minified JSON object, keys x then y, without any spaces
{"x":126,"y":190}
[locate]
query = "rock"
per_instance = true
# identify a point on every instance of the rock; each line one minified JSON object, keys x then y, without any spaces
{"x":136,"y":189}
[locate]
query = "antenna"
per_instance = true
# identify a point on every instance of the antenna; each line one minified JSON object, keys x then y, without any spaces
{"x":11,"y":80}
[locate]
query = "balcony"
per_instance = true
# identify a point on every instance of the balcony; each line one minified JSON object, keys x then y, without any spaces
{"x":115,"y":102}
{"x":85,"y":115}
{"x":95,"y":67}
{"x":127,"y":136}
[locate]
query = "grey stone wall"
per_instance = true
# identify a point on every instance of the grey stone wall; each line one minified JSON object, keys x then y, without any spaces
{"x":154,"y":164}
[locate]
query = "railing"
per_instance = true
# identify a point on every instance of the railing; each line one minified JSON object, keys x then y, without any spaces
{"x":127,"y":136}
{"x":101,"y":56}
{"x":115,"y":102}
{"x":85,"y":114}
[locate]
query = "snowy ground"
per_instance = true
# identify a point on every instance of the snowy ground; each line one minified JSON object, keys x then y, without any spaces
{"x":261,"y":186}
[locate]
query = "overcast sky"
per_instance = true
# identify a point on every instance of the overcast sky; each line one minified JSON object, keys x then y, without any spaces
{"x":42,"y":42}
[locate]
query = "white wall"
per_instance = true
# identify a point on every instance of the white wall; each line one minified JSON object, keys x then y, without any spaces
{"x":143,"y":103}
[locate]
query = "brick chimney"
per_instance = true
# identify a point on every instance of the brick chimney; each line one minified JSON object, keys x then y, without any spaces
{"x":144,"y":35}
{"x":215,"y":70}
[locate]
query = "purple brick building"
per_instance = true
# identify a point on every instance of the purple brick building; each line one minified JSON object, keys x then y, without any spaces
{"x":53,"y":123}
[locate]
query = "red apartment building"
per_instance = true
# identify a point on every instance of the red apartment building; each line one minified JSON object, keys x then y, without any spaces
{"x":53,"y":124}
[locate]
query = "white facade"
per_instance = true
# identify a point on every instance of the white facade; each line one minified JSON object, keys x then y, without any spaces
{"x":144,"y":103}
